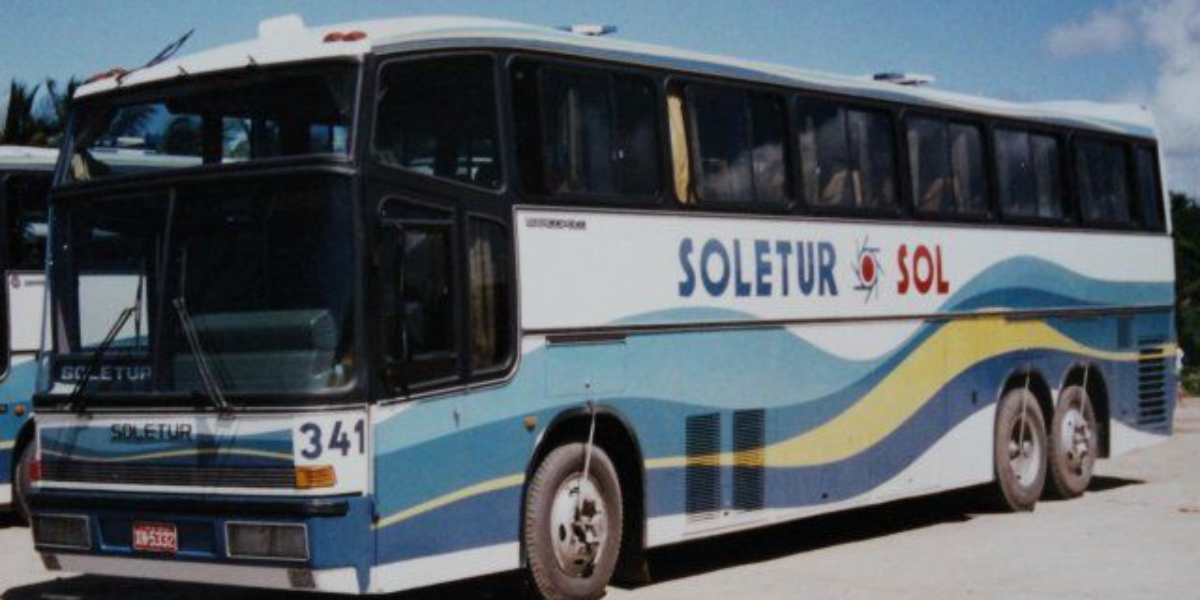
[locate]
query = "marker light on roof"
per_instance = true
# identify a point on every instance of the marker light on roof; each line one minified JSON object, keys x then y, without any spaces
{"x":345,"y":36}
{"x":589,"y":29}
{"x":117,"y":72}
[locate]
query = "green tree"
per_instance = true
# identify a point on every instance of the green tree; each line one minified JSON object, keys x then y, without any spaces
{"x":20,"y":123}
{"x":30,"y":123}
{"x":1185,"y":218}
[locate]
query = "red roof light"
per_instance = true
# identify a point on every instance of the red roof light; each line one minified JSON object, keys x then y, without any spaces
{"x":109,"y":74}
{"x":345,"y":36}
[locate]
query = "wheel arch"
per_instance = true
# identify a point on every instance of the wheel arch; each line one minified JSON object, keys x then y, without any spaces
{"x":616,"y":435}
{"x":1038,"y":385}
{"x":24,"y":438}
{"x":1091,"y":376}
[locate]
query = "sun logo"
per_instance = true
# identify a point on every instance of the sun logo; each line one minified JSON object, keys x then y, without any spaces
{"x":868,"y":269}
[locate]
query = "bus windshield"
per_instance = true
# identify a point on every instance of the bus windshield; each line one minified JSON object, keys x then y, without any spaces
{"x":255,"y":117}
{"x":261,"y":276}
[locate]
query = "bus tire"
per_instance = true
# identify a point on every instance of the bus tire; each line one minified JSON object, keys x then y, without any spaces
{"x":1019,"y":451}
{"x":22,"y":483}
{"x":1073,"y":443}
{"x":570,"y":558}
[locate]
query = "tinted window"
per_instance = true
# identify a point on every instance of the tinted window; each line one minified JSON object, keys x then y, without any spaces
{"x":1028,"y":175}
{"x":438,"y":117}
{"x":490,"y":320}
{"x":1103,"y":177}
{"x":947,"y":168}
{"x":419,"y":309}
{"x":848,"y":156}
{"x":1149,"y":190}
{"x":259,"y":116}
{"x":25,"y":196}
{"x":739,"y":143}
{"x":585,"y":132}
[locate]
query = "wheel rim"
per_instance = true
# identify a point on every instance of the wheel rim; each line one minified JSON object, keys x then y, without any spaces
{"x":1024,"y":450}
{"x":1075,"y":436}
{"x":578,"y":525}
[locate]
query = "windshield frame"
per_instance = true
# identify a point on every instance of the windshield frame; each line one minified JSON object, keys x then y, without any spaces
{"x":158,"y":91}
{"x":55,"y":397}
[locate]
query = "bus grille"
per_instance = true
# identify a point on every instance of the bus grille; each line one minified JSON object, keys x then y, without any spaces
{"x":74,"y":471}
{"x":749,"y":437}
{"x":1152,"y":386}
{"x":702,"y":476}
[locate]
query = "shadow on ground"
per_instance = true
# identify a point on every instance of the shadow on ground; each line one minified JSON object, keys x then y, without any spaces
{"x":9,"y":520}
{"x":666,"y":564}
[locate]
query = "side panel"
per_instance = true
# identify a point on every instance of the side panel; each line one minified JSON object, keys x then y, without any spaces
{"x":721,"y":319}
{"x":25,"y":296}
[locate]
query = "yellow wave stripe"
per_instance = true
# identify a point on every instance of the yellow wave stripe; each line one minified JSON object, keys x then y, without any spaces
{"x":7,"y":445}
{"x":475,"y":490}
{"x":175,"y":454}
{"x":949,"y":352}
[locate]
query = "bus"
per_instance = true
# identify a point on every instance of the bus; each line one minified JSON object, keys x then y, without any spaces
{"x":397,"y":303}
{"x":25,"y":176}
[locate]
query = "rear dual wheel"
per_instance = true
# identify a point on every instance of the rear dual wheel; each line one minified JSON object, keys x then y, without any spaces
{"x":1073,"y":443}
{"x":573,"y":523}
{"x":1019,"y":451}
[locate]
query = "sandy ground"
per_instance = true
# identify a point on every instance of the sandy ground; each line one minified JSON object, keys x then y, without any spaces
{"x":1135,"y":535}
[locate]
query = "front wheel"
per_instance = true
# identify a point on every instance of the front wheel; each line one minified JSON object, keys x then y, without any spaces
{"x":1019,"y":451}
{"x":21,"y":483}
{"x":573,"y":524}
{"x":1073,"y":443}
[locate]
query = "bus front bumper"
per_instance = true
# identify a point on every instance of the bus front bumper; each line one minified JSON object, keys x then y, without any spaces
{"x":93,"y":532}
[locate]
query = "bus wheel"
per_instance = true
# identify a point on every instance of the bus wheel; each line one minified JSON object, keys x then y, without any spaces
{"x":573,"y":524}
{"x":1073,"y":443}
{"x":21,"y":483}
{"x":1019,"y":452}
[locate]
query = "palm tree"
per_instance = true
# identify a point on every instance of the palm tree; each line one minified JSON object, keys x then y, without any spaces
{"x":55,"y":108}
{"x":32,"y":124}
{"x":20,"y":123}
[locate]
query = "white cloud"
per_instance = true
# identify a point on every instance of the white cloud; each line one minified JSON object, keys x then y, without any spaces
{"x":1171,"y":30}
{"x":1104,"y":31}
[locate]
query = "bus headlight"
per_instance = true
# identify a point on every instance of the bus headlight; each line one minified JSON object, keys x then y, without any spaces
{"x":62,"y":531}
{"x":266,"y":541}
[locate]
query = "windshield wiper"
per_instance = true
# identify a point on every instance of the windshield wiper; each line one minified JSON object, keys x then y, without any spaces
{"x":77,"y":400}
{"x":202,"y":366}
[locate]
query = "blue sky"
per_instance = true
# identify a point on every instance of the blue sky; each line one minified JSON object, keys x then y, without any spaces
{"x":1019,"y":50}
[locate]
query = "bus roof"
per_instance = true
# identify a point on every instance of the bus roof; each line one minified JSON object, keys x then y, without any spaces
{"x":287,"y":40}
{"x":27,"y":158}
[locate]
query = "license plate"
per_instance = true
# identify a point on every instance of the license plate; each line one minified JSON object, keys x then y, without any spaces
{"x":155,"y":537}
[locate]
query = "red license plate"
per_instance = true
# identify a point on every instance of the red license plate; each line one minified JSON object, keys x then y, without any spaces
{"x":155,"y":537}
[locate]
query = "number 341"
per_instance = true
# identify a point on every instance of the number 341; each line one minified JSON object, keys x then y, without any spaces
{"x":339,"y":439}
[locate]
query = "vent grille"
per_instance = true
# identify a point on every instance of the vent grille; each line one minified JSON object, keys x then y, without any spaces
{"x":77,"y":471}
{"x":703,"y":473}
{"x":1152,"y":384}
{"x":749,"y":438}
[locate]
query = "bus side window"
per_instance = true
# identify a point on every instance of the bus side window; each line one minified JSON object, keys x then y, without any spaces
{"x":585,"y":132}
{"x":1150,"y":200}
{"x":489,"y":293}
{"x":739,"y":146}
{"x":681,"y":153}
{"x":1102,"y":173}
{"x":947,"y":168}
{"x":26,"y":217}
{"x":437,"y":117}
{"x":847,"y":156}
{"x":1028,"y":175}
{"x":419,"y":303}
